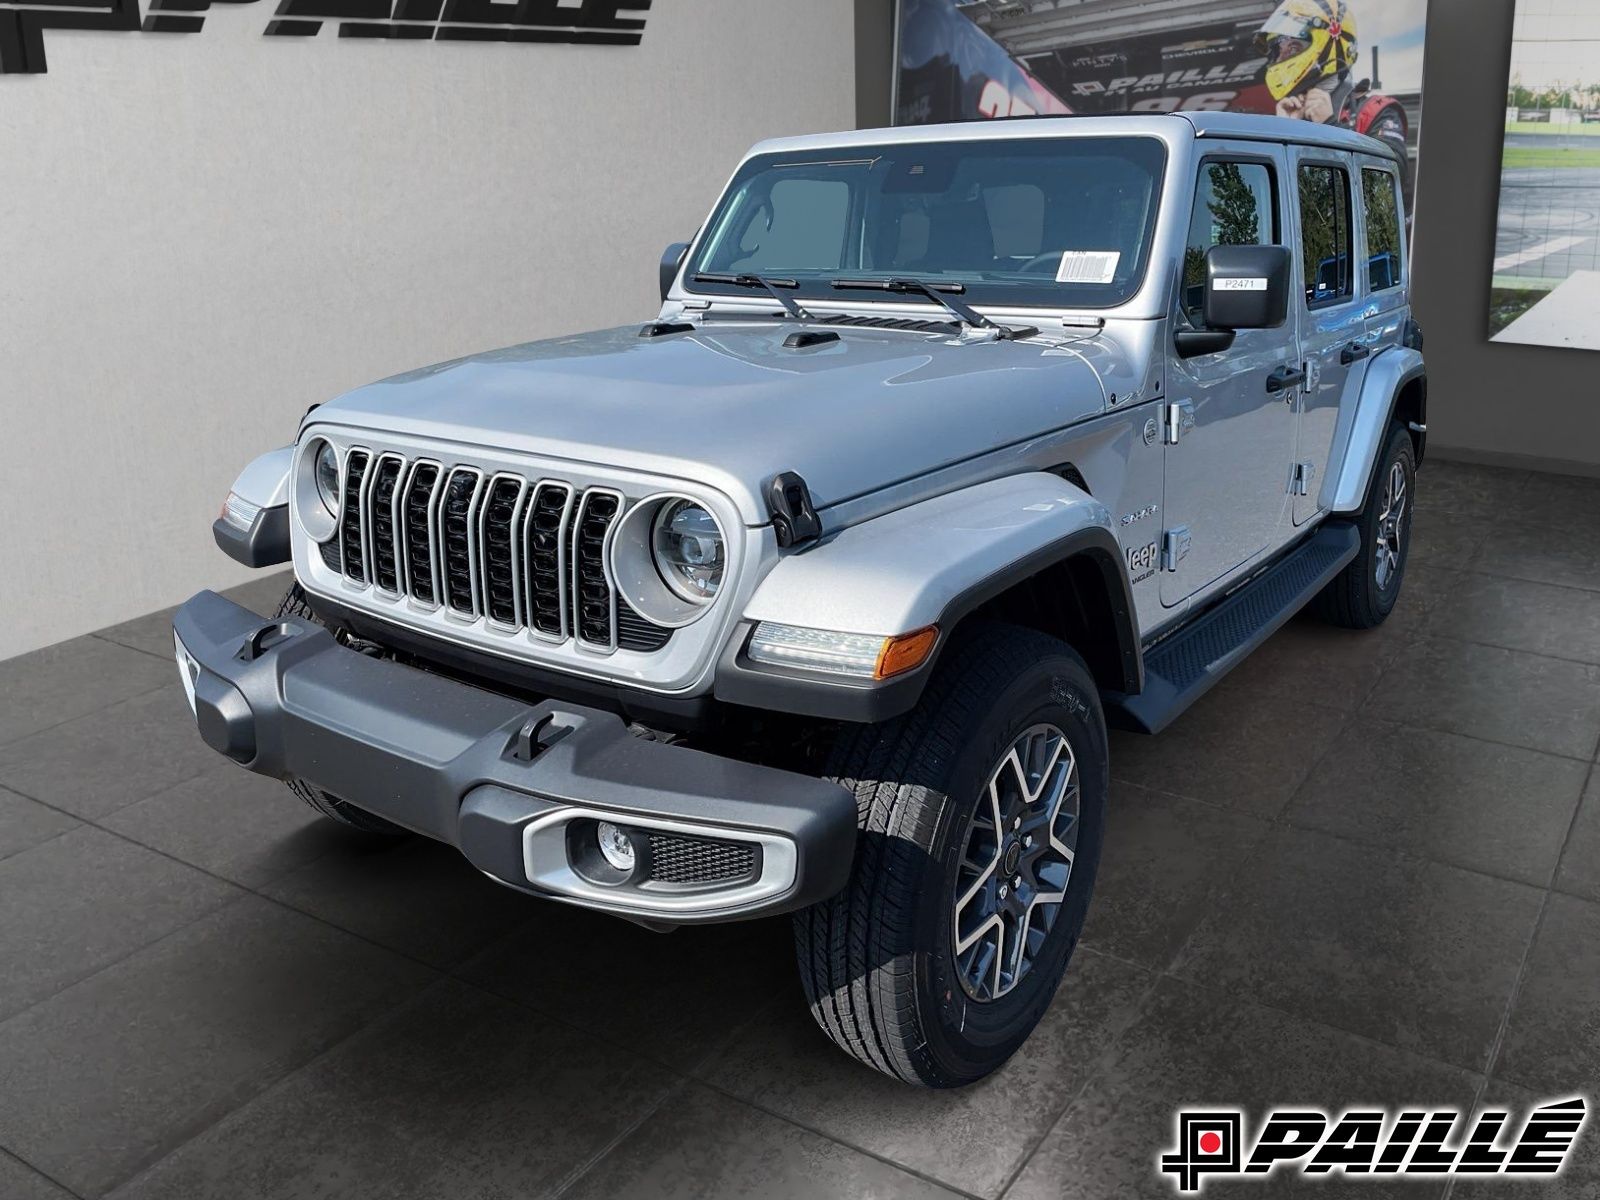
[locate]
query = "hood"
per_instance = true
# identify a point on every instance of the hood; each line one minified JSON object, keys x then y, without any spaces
{"x":731,"y":406}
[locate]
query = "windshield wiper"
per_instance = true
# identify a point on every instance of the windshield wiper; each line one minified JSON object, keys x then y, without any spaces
{"x":760,"y":281}
{"x":940,"y":294}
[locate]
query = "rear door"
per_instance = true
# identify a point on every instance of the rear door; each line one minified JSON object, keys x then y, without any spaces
{"x":1333,"y":319}
{"x":1230,"y":438}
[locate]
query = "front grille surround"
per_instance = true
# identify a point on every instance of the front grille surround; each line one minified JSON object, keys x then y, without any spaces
{"x":446,"y":589}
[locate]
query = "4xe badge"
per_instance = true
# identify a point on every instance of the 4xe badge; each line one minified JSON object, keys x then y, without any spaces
{"x":1371,"y":1143}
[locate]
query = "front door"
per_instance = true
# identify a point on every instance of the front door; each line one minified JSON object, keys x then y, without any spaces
{"x":1333,"y":327}
{"x":1229,"y":430}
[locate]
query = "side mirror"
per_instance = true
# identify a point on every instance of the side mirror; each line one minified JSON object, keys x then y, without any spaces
{"x":670,"y":262}
{"x":1247,"y":287}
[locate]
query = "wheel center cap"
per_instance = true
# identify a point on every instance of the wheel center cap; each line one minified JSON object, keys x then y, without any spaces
{"x":1012,"y":858}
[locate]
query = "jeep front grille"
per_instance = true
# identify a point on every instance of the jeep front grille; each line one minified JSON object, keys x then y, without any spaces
{"x":519,"y":554}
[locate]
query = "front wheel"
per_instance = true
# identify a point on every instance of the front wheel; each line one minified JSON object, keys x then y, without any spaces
{"x":980,"y":818}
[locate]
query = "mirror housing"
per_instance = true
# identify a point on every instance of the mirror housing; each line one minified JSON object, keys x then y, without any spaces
{"x":1247,"y":287}
{"x":671,"y":260}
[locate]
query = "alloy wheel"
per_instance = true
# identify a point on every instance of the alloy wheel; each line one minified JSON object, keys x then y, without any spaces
{"x":1016,"y":862}
{"x":1390,"y":521}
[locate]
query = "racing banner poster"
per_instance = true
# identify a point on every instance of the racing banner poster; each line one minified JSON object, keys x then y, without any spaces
{"x":1354,"y":62}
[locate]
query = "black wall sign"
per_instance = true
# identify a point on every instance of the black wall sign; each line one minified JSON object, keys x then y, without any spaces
{"x":594,"y":22}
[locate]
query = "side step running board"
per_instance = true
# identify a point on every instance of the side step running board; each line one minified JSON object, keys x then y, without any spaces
{"x":1181,"y":669}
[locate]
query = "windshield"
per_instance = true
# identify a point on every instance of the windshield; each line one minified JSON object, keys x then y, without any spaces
{"x":1048,"y":222}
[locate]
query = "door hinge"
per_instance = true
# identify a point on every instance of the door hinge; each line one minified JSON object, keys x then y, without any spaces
{"x":1178,"y":417}
{"x":1300,"y":478}
{"x":1175,"y":545}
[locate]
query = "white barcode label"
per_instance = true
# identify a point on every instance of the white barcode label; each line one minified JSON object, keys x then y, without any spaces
{"x":1240,"y":285}
{"x":1088,"y":266}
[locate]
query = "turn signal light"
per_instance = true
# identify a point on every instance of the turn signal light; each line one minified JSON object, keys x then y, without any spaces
{"x":905,"y":653}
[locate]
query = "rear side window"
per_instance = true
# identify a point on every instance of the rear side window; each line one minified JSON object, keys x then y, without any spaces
{"x":1233,"y":206}
{"x":1325,"y":234}
{"x":1378,"y":197}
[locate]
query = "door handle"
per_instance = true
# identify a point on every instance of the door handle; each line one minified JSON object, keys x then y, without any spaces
{"x":1284,"y":378}
{"x":1354,"y":352}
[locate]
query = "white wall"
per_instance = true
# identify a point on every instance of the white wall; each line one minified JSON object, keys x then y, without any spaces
{"x":201,"y":235}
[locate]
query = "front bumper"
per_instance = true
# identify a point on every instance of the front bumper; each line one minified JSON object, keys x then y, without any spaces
{"x":515,"y":786}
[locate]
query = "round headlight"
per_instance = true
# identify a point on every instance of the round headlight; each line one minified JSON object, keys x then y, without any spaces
{"x":327,"y":476}
{"x":688,"y":550}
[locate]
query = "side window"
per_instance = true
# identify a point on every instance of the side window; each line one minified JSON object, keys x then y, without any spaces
{"x":1233,"y":206}
{"x":1378,"y":192}
{"x":1325,"y":234}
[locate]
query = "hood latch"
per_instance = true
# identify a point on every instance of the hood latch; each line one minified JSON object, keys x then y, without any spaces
{"x":794,"y":517}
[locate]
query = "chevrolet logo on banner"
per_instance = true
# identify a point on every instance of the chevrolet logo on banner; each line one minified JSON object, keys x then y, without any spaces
{"x":594,"y":22}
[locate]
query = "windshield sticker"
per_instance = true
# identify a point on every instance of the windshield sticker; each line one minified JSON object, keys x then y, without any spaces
{"x":1088,"y":266}
{"x":1240,"y":285}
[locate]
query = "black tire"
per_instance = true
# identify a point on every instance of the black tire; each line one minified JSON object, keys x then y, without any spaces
{"x":1355,"y":598}
{"x":878,"y":960}
{"x":294,"y":604}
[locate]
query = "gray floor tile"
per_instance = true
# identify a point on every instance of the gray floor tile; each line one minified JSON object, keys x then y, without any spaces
{"x":83,"y":900}
{"x":971,"y":1138}
{"x":1580,"y":865}
{"x":1308,"y":659}
{"x":24,"y":823}
{"x":700,"y":1143}
{"x":458,"y":1095}
{"x":609,"y":977}
{"x":1551,"y":499}
{"x":241,"y":826}
{"x":1163,"y":857}
{"x":151,"y":633}
{"x":56,"y":684}
{"x":410,"y":894}
{"x":1416,"y":954}
{"x":1553,"y":1038}
{"x":1231,"y":748}
{"x":1540,"y":618}
{"x":1468,"y":488}
{"x":1580,"y":1176}
{"x":1445,"y":797}
{"x":111,"y":1074}
{"x":1196,"y":1049}
{"x":18,"y":1181}
{"x":1443,"y":538}
{"x":1546,"y":551}
{"x":97,"y":764}
{"x":1486,"y":692}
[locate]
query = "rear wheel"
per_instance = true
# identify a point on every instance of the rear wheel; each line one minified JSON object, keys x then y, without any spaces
{"x":1364,"y":594}
{"x":294,"y":604}
{"x":980,"y":817}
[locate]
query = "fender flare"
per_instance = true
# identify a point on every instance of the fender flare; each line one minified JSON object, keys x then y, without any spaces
{"x":263,"y":484}
{"x":1361,"y":430}
{"x":930,"y":563}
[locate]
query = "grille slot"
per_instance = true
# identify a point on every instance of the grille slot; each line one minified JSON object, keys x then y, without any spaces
{"x":455,"y":523}
{"x":381,"y":520}
{"x":517,"y":553}
{"x":675,"y":859}
{"x":593,"y":601}
{"x":545,"y":559}
{"x":355,"y":475}
{"x":417,"y":515}
{"x":498,"y":550}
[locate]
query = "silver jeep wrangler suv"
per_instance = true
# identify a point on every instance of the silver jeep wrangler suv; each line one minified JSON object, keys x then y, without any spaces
{"x":948,"y":447}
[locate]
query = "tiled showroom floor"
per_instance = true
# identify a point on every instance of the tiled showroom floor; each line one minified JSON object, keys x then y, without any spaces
{"x":1364,"y":869}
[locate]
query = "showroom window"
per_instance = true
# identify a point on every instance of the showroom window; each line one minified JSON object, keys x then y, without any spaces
{"x":1233,"y":207}
{"x":1325,"y":234}
{"x":1380,"y":203}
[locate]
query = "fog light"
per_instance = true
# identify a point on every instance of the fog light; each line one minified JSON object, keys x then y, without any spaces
{"x":615,"y":846}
